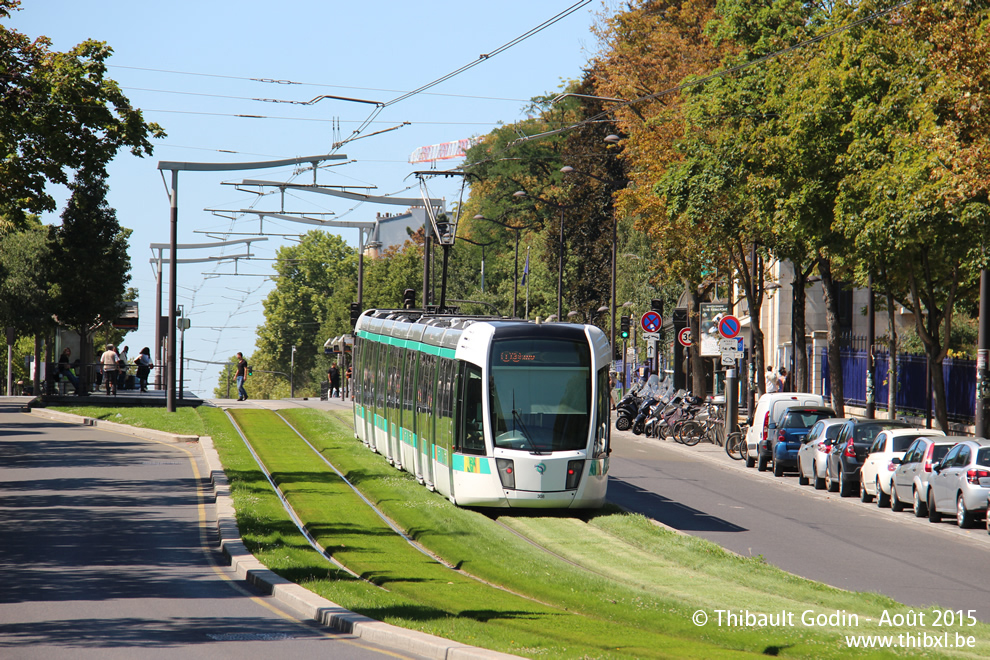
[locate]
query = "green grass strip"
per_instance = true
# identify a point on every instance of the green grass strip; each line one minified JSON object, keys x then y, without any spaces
{"x":364,"y":543}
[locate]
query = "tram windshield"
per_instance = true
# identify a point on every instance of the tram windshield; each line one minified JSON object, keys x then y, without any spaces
{"x":540,"y":393}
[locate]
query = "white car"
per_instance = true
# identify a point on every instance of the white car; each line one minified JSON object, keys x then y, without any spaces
{"x":878,"y":468}
{"x":960,"y":483}
{"x":910,"y":481}
{"x":813,"y":454}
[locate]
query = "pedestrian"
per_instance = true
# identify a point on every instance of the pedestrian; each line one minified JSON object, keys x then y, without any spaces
{"x":611,"y":389}
{"x":122,"y":368}
{"x":772,"y":383}
{"x":144,"y":367}
{"x":334,"y":377}
{"x":784,"y":380}
{"x":348,"y":375}
{"x":242,"y":369}
{"x":109,"y":361}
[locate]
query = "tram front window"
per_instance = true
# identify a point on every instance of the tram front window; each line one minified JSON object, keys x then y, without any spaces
{"x":540,"y":394}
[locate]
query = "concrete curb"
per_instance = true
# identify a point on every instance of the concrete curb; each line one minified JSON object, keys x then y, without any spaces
{"x":297,"y":598}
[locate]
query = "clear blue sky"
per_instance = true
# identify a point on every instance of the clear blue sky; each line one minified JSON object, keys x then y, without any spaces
{"x":189,"y":66}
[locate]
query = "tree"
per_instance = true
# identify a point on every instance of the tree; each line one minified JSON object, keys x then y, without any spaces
{"x":25,"y":295}
{"x":307,"y":275}
{"x":59,"y":114}
{"x":90,"y":264}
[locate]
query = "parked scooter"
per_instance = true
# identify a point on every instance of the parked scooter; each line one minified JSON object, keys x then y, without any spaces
{"x":626,"y":409}
{"x":645,"y":408}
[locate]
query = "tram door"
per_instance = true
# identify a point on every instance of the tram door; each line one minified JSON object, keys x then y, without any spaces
{"x":425,"y":389}
{"x":394,"y":402}
{"x":381,"y":416}
{"x":408,"y":442}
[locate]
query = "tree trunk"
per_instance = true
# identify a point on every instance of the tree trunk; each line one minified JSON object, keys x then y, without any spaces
{"x":936,"y":356}
{"x":832,"y":324}
{"x":891,"y":359}
{"x":799,"y":379}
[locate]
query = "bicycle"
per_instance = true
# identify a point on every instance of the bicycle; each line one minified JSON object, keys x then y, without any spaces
{"x":708,"y":425}
{"x":735,"y":443}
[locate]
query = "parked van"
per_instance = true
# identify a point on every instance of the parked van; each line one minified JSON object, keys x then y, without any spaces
{"x":768,"y":411}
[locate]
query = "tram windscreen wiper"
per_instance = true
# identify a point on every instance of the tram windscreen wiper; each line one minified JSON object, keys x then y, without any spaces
{"x":517,"y":416}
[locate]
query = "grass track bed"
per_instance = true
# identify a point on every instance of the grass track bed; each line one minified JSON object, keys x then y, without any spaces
{"x":636,"y":598}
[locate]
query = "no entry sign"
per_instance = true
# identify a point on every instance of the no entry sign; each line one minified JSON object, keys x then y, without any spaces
{"x":729,"y":326}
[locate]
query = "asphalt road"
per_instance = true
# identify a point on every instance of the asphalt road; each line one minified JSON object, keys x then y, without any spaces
{"x":105,"y":553}
{"x":839,"y":541}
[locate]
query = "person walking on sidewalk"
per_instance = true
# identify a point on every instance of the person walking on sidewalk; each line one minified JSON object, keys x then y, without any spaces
{"x":242,"y":369}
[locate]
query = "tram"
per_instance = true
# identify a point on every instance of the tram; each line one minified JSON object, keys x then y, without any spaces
{"x":488,"y":412}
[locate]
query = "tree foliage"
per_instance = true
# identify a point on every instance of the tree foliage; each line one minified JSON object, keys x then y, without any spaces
{"x":58,"y":114}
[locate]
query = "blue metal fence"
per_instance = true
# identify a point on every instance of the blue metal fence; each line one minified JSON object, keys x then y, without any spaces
{"x":912,"y":373}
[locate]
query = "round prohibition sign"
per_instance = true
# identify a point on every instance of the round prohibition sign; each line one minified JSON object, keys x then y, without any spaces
{"x":729,"y":326}
{"x":684,"y":337}
{"x":651,"y":322}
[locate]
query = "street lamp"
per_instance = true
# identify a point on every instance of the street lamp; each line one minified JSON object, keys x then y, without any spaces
{"x":567,"y":169}
{"x":515,"y":283}
{"x":560,"y":253}
{"x":482,"y":246}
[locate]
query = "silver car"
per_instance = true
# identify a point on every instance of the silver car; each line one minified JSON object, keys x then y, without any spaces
{"x":815,"y":449}
{"x":960,"y":483}
{"x":909,"y":485}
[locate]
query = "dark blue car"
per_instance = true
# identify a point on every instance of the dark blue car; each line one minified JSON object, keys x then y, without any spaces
{"x":790,"y":433}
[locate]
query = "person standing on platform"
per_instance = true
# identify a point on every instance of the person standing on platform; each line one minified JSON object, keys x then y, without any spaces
{"x":122,"y":369}
{"x":241,"y":374}
{"x":109,"y":361}
{"x":144,"y":366}
{"x":334,"y":377}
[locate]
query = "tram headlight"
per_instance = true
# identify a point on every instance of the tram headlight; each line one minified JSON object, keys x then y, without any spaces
{"x":574,"y":470}
{"x":506,"y":472}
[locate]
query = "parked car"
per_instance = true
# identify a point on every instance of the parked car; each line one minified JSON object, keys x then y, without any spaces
{"x":910,"y":481}
{"x":767,"y":411}
{"x":852,"y":446}
{"x":791,"y":430}
{"x":814,"y":451}
{"x":960,"y":483}
{"x":878,"y":468}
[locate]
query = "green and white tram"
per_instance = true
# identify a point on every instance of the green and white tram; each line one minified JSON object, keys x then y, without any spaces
{"x":489,"y":412}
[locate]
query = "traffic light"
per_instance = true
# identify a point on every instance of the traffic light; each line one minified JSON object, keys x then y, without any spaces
{"x":657,"y":306}
{"x":355,"y":313}
{"x":624,"y":327}
{"x":409,"y":299}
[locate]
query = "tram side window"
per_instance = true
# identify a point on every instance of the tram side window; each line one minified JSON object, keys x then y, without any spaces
{"x":602,"y":427}
{"x":380,"y":384}
{"x":426,"y":381}
{"x":408,"y":393}
{"x":394,"y":376}
{"x":470,"y":437}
